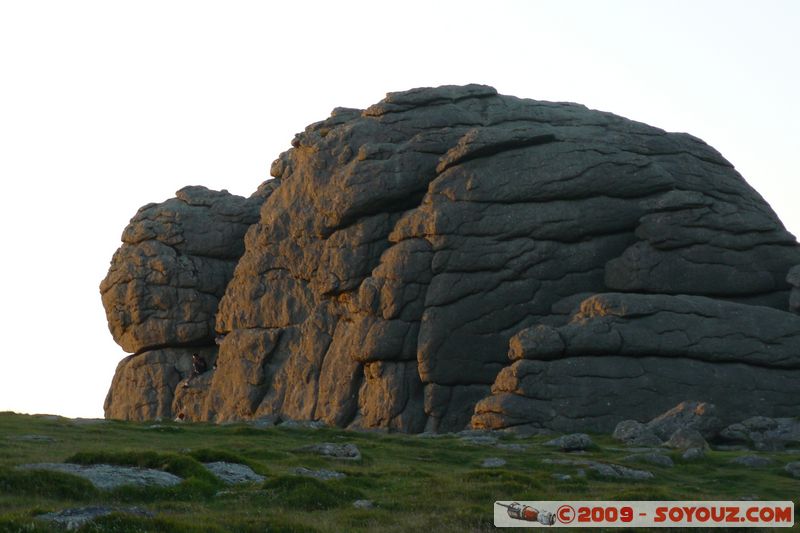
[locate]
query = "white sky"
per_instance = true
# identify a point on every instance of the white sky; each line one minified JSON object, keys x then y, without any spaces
{"x":106,"y":106}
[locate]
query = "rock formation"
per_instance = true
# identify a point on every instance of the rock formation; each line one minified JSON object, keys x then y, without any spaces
{"x":162,"y":291}
{"x":409,"y":243}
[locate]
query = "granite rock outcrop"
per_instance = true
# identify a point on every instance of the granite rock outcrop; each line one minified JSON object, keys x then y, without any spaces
{"x":451,"y":257}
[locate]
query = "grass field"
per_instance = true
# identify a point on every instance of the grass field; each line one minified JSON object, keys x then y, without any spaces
{"x":416,"y":484}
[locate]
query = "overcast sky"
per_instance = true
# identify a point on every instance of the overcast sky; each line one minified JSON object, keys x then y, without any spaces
{"x":106,"y":106}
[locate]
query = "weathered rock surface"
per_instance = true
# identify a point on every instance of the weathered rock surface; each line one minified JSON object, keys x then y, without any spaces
{"x":632,"y":356}
{"x":107,"y":477}
{"x":793,"y":469}
{"x":321,"y":474}
{"x":693,"y":454}
{"x":493,"y":462}
{"x":634,"y":433}
{"x":752,"y":461}
{"x":685,"y":439}
{"x":700,"y":416}
{"x":572,"y":442}
{"x":144,"y":385}
{"x":605,"y":469}
{"x":162,"y":291}
{"x":412,"y":247}
{"x":233,"y":473}
{"x":346,"y":451}
{"x":764,"y":433}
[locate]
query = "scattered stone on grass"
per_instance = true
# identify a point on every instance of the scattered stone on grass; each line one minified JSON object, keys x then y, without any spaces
{"x":693,"y":454}
{"x":793,"y":469}
{"x":689,"y":414}
{"x":685,"y":438}
{"x":233,"y":473}
{"x":264,"y":422}
{"x":107,"y":477}
{"x":479,"y":440}
{"x":302,"y":424}
{"x":72,"y":519}
{"x":363,"y":504}
{"x":764,"y":433}
{"x":634,"y":433}
{"x":604,"y":469}
{"x":561,"y":477}
{"x":345,"y":451}
{"x":571,"y":442}
{"x":322,"y":474}
{"x":752,"y":461}
{"x":493,"y":462}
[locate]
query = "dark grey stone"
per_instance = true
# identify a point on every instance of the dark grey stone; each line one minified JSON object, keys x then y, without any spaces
{"x":764,"y":433}
{"x":752,"y":461}
{"x":233,"y":473}
{"x":571,"y":442}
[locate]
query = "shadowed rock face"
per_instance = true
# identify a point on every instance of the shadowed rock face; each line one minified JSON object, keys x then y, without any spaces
{"x":409,"y":242}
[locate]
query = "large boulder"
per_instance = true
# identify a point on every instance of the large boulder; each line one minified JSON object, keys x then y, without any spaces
{"x":409,"y":242}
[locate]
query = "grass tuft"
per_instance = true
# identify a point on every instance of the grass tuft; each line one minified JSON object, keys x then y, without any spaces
{"x":309,"y":493}
{"x":46,"y":484}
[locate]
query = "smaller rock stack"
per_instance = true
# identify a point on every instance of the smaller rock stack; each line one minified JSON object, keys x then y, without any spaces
{"x":162,"y":291}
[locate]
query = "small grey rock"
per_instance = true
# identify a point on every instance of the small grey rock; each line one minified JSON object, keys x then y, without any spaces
{"x":233,"y":473}
{"x":634,"y":433}
{"x":699,"y":416}
{"x":322,"y":474}
{"x":72,"y":519}
{"x":561,"y":477}
{"x":657,"y":459}
{"x":752,"y":461}
{"x":264,"y":422}
{"x":363,"y":504}
{"x":480,"y":440}
{"x":524,"y":431}
{"x":302,"y":424}
{"x":346,"y":451}
{"x":571,"y":442}
{"x":692,"y":454}
{"x":493,"y":462}
{"x":604,"y":469}
{"x":684,"y":438}
{"x":763,"y":433}
{"x":793,"y":469}
{"x":619,"y":471}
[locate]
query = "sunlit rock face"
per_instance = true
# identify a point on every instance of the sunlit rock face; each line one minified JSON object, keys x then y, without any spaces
{"x":163,"y":288}
{"x":408,"y":243}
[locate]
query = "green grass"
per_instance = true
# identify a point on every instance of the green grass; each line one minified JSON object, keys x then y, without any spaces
{"x":416,"y":484}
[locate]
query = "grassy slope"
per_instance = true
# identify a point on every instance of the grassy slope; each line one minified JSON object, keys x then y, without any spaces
{"x":416,"y":483}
